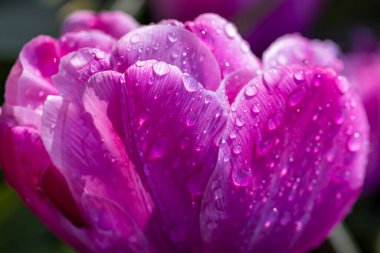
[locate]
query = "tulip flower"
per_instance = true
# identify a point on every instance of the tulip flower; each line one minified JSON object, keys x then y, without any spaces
{"x":261,"y":21}
{"x":363,"y":69}
{"x":176,"y":138}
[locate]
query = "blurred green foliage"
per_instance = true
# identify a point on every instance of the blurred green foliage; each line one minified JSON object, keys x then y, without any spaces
{"x":21,"y":20}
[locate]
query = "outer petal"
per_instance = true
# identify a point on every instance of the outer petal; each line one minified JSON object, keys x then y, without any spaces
{"x":114,"y":23}
{"x":76,"y":68}
{"x":28,"y":169}
{"x":234,"y":82}
{"x":291,"y":167}
{"x":223,"y":39}
{"x":173,"y":45}
{"x":103,"y":180}
{"x":363,"y":69}
{"x":73,"y":41}
{"x":295,"y":49}
{"x":29,"y":82}
{"x":175,"y":125}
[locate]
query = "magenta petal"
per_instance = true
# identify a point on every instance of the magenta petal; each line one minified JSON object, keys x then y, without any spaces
{"x":292,"y":164}
{"x":223,"y":39}
{"x":76,"y":68}
{"x":26,"y":163}
{"x":29,"y":82}
{"x":235,"y":81}
{"x":295,"y":49}
{"x":89,"y":153}
{"x":170,"y":44}
{"x":113,"y":23}
{"x":175,"y":125}
{"x":70,"y":42}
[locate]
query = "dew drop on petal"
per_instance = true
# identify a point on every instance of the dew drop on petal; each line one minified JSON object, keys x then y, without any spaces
{"x":161,"y":68}
{"x":191,"y":119}
{"x":240,"y":177}
{"x":190,"y":83}
{"x":274,"y":122}
{"x":230,"y":30}
{"x":296,"y":97}
{"x":342,"y":84}
{"x":239,"y":121}
{"x":299,"y":76}
{"x":172,"y":37}
{"x":354,"y":143}
{"x":135,"y":38}
{"x":255,"y":108}
{"x":250,"y":91}
{"x":237,"y":149}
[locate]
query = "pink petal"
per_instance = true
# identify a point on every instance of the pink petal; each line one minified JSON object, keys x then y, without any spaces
{"x":113,"y":23}
{"x":29,"y":170}
{"x":174,"y":125}
{"x":29,"y":82}
{"x":234,"y":82}
{"x":363,"y":70}
{"x":173,"y":45}
{"x":88,"y":152}
{"x":292,"y":164}
{"x":295,"y":49}
{"x":73,"y":41}
{"x":76,"y":68}
{"x":223,"y":39}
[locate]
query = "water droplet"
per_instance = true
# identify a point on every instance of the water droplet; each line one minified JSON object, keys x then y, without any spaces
{"x":255,"y":108}
{"x":296,"y":97}
{"x":342,"y":84}
{"x":191,"y":119}
{"x":244,"y":46}
{"x":299,"y":76}
{"x":230,"y":30}
{"x":80,"y":59}
{"x":354,"y":143}
{"x":140,"y":63}
{"x":135,"y":38}
{"x":239,"y":121}
{"x":272,"y":77}
{"x":317,"y":80}
{"x":274,"y":122}
{"x":190,"y":83}
{"x":208,"y":99}
{"x":266,"y":145}
{"x":241,"y":178}
{"x":161,"y":68}
{"x":233,"y":135}
{"x":250,"y":91}
{"x":339,"y":117}
{"x":237,"y":149}
{"x":172,"y":37}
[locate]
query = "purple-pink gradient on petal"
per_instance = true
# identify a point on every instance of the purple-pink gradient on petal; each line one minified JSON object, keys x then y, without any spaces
{"x":363,"y":69}
{"x":150,"y":142}
{"x":260,"y":21}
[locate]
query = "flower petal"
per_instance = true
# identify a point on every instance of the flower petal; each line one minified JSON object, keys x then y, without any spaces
{"x":173,"y":45}
{"x":175,"y":126}
{"x":76,"y":68}
{"x":295,"y":49}
{"x":223,"y":39}
{"x":292,"y":164}
{"x":28,"y":170}
{"x":73,"y":41}
{"x":29,"y":82}
{"x":89,"y":153}
{"x":113,"y":23}
{"x":234,"y":82}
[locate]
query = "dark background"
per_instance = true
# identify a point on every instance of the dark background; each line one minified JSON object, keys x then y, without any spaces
{"x":21,"y":232}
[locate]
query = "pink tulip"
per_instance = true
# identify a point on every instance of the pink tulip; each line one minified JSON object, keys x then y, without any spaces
{"x":363,"y":69}
{"x":262,"y":21}
{"x":179,"y":139}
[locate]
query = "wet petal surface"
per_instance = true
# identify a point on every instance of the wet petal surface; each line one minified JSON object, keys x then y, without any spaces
{"x":291,"y":167}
